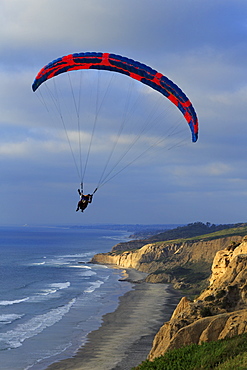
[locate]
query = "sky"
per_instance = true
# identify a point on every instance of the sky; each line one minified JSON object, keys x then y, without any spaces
{"x":198,"y":44}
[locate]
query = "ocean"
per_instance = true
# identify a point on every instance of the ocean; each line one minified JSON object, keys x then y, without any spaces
{"x":51,"y":297}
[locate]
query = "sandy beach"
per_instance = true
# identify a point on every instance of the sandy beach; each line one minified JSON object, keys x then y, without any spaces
{"x":125,"y":337}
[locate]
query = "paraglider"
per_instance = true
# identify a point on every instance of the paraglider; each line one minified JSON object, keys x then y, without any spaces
{"x":129,"y":67}
{"x":125,"y":66}
{"x":84,"y":200}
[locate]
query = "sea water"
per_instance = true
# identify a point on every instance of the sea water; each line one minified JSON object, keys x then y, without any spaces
{"x":51,"y":297}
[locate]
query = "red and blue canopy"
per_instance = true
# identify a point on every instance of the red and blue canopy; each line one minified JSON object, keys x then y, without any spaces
{"x":129,"y":67}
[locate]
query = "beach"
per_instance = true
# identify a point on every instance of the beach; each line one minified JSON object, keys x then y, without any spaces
{"x":125,"y":336}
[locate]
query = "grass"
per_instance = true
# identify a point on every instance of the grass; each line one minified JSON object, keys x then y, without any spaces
{"x":241,"y":231}
{"x":226,"y":354}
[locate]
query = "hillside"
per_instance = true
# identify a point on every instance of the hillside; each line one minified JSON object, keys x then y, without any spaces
{"x":225,"y":354}
{"x":184,"y":231}
{"x":192,"y":230}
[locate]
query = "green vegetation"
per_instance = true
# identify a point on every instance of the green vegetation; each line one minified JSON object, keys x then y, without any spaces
{"x":191,"y":232}
{"x":191,"y":273}
{"x":240,"y":230}
{"x":226,"y":354}
{"x":199,"y":230}
{"x":194,"y":276}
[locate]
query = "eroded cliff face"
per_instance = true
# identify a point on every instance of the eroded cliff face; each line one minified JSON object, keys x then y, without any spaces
{"x":163,"y":255}
{"x":145,"y":259}
{"x":219,"y":312}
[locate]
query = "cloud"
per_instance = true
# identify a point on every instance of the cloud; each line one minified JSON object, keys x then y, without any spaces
{"x":139,"y":27}
{"x":32,"y":149}
{"x":200,"y":45}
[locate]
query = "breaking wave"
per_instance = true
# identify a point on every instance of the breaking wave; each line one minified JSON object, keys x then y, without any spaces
{"x":9,"y":318}
{"x":9,"y":303}
{"x":94,"y":286}
{"x":14,"y":338}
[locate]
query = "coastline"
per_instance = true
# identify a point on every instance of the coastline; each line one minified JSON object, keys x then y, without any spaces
{"x":125,"y":336}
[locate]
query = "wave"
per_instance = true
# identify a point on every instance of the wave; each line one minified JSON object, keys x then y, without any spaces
{"x":52,"y":352}
{"x":64,"y":260}
{"x":9,"y":318}
{"x":60,"y":285}
{"x":8,"y":303}
{"x":54,"y":287}
{"x":78,"y":255}
{"x":46,"y":292}
{"x":14,"y":338}
{"x":94,"y":286}
{"x":87,"y":273}
{"x":38,"y":263}
{"x":81,"y":266}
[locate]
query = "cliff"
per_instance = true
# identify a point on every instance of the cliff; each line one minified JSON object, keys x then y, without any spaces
{"x":182,"y":263}
{"x":220,"y":310}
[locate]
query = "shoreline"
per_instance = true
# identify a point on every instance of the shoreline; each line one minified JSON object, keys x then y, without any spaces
{"x":125,"y":336}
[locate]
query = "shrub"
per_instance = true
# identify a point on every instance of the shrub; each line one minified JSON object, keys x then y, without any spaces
{"x":205,"y":311}
{"x":220,"y":294}
{"x":209,"y":355}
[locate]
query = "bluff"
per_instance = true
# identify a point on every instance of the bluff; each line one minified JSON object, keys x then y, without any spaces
{"x":220,"y":310}
{"x":215,"y":262}
{"x":181,"y":263}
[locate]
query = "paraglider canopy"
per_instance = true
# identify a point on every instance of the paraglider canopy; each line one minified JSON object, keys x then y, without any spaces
{"x":129,"y":67}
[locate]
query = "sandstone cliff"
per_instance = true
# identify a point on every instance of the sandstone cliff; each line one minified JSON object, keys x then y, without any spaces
{"x":162,"y":259}
{"x":220,"y":310}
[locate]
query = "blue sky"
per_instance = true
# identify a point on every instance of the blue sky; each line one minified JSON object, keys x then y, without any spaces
{"x":200,"y":45}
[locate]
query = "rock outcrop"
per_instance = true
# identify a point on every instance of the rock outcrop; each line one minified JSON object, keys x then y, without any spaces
{"x":145,"y":259}
{"x":160,"y":256}
{"x":219,"y":312}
